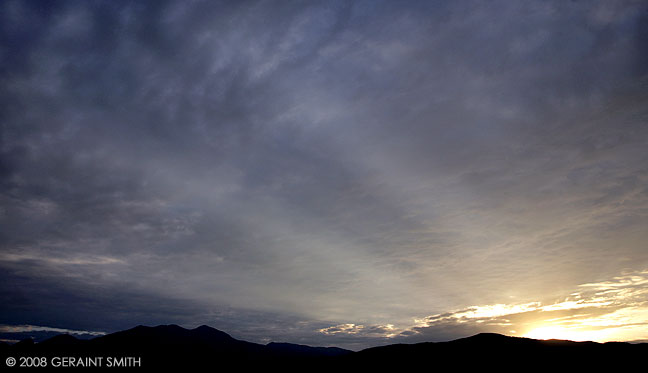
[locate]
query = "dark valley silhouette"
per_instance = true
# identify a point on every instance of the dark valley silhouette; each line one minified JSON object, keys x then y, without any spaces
{"x":171,"y":346}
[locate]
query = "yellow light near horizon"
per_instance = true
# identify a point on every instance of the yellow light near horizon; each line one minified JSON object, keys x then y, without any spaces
{"x":558,"y":332}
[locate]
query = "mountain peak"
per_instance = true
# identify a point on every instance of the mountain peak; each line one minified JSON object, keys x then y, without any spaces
{"x":61,"y":339}
{"x":212,"y":333}
{"x":205,"y":328}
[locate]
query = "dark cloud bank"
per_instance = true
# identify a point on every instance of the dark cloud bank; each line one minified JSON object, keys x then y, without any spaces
{"x":274,"y":169}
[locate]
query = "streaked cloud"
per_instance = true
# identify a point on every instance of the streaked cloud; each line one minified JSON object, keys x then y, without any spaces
{"x":277,"y":169}
{"x":92,"y":260}
{"x":15,"y":333}
{"x":36,"y":328}
{"x":353,"y":329}
{"x":614,"y":310}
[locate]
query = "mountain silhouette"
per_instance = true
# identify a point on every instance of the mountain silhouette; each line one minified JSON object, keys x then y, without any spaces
{"x":171,"y":346}
{"x":505,"y":353}
{"x":174,"y":347}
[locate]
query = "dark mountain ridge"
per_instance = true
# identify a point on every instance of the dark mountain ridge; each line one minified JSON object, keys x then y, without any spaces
{"x":171,"y":346}
{"x":508,"y":354}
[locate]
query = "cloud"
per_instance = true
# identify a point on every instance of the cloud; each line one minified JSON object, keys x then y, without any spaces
{"x":379,"y":330}
{"x":16,"y":333}
{"x":365,"y":163}
{"x":61,"y":261}
{"x":36,"y":328}
{"x":613,"y":310}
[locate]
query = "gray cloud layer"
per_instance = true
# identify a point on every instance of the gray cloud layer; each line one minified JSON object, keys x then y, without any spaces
{"x":258,"y":165}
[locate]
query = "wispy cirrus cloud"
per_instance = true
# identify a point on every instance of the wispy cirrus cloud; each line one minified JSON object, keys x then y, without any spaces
{"x":60,"y":261}
{"x":333,"y":162}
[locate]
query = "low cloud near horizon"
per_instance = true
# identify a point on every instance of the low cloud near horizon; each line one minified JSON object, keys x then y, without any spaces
{"x":325,"y":172}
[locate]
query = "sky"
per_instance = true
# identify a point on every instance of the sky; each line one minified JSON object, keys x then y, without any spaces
{"x":348,"y":173}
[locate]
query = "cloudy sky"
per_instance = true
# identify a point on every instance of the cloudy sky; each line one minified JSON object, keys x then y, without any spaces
{"x":330,"y":173}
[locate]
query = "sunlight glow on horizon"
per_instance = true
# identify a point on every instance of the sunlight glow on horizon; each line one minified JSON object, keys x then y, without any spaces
{"x":613,"y":310}
{"x":570,"y":334}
